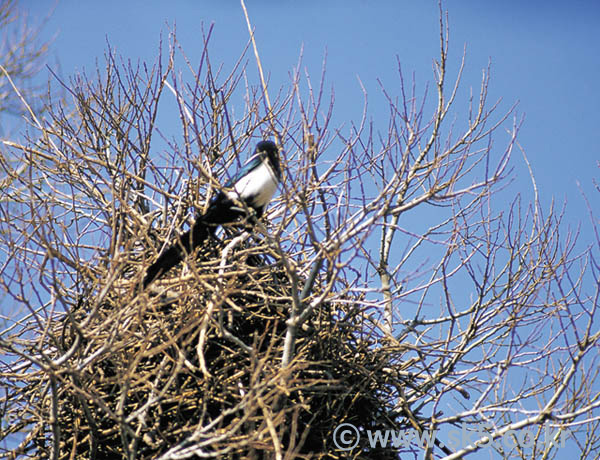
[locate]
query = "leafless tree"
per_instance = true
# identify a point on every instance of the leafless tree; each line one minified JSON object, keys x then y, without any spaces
{"x":22,"y":56}
{"x":390,"y":286}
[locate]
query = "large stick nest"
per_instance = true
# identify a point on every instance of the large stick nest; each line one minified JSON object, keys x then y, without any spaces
{"x":192,"y":368}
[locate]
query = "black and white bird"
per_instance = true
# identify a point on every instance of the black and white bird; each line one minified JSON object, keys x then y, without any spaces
{"x":250,"y":189}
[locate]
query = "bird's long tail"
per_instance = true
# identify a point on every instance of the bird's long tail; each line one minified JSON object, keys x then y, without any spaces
{"x":185,"y":245}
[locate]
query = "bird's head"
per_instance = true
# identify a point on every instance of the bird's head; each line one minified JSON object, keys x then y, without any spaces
{"x":268,"y":150}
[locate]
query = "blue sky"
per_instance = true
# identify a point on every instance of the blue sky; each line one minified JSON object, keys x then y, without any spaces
{"x":546,"y":55}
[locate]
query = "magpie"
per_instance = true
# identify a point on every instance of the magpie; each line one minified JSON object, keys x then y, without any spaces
{"x":252,"y":188}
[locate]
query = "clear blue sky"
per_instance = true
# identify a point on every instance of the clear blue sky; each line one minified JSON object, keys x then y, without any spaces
{"x":545,"y":54}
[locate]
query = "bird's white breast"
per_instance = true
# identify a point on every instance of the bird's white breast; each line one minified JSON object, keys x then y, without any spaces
{"x":259,"y":184}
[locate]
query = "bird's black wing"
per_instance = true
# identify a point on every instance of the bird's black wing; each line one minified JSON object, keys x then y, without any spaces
{"x":222,"y":210}
{"x":185,"y":245}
